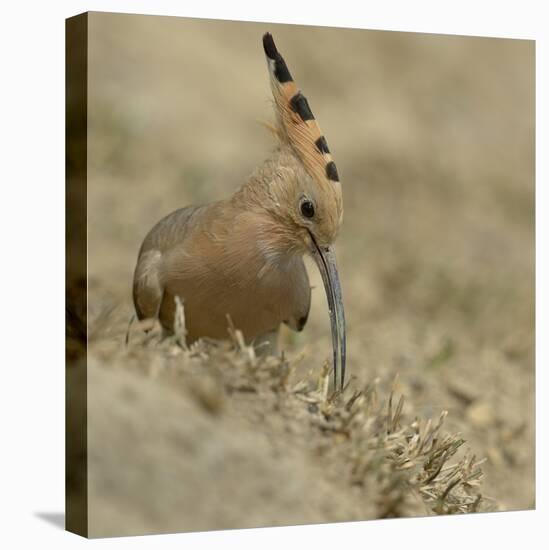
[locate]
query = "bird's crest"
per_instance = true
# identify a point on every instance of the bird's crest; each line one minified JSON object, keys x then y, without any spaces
{"x":297,"y":125}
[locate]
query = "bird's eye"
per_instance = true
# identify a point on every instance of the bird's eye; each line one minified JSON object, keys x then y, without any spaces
{"x":307,"y":209}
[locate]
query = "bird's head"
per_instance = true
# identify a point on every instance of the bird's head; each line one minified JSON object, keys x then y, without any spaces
{"x":305,"y":191}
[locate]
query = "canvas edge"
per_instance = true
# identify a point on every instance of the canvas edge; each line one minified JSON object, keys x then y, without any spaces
{"x":76,"y":104}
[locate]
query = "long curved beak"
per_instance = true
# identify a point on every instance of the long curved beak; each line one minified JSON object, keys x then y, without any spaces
{"x":326,"y":261}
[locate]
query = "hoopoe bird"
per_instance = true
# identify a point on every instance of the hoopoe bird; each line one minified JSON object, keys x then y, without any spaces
{"x":242,"y":257}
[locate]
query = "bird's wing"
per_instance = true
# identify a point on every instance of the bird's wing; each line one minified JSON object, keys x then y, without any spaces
{"x":147,"y":282}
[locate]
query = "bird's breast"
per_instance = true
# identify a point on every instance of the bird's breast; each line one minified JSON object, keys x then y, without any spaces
{"x":257,"y":290}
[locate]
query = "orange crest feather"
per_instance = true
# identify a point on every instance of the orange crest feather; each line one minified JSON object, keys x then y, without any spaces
{"x":296,"y":121}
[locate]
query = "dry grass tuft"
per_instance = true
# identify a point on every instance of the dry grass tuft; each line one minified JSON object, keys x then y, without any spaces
{"x":407,"y":466}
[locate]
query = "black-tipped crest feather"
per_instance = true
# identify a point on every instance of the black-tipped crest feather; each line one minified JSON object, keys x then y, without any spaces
{"x":269,"y":46}
{"x":280,"y":69}
{"x":295,"y":120}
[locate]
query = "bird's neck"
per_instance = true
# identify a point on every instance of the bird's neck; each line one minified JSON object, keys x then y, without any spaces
{"x":252,"y":238}
{"x":251,"y":230}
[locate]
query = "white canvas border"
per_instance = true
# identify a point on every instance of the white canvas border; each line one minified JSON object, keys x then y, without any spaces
{"x":32,"y":236}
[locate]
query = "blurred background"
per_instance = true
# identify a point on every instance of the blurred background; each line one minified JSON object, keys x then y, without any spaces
{"x":434,"y":142}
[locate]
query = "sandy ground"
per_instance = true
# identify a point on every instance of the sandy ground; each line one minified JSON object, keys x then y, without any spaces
{"x":434,"y":142}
